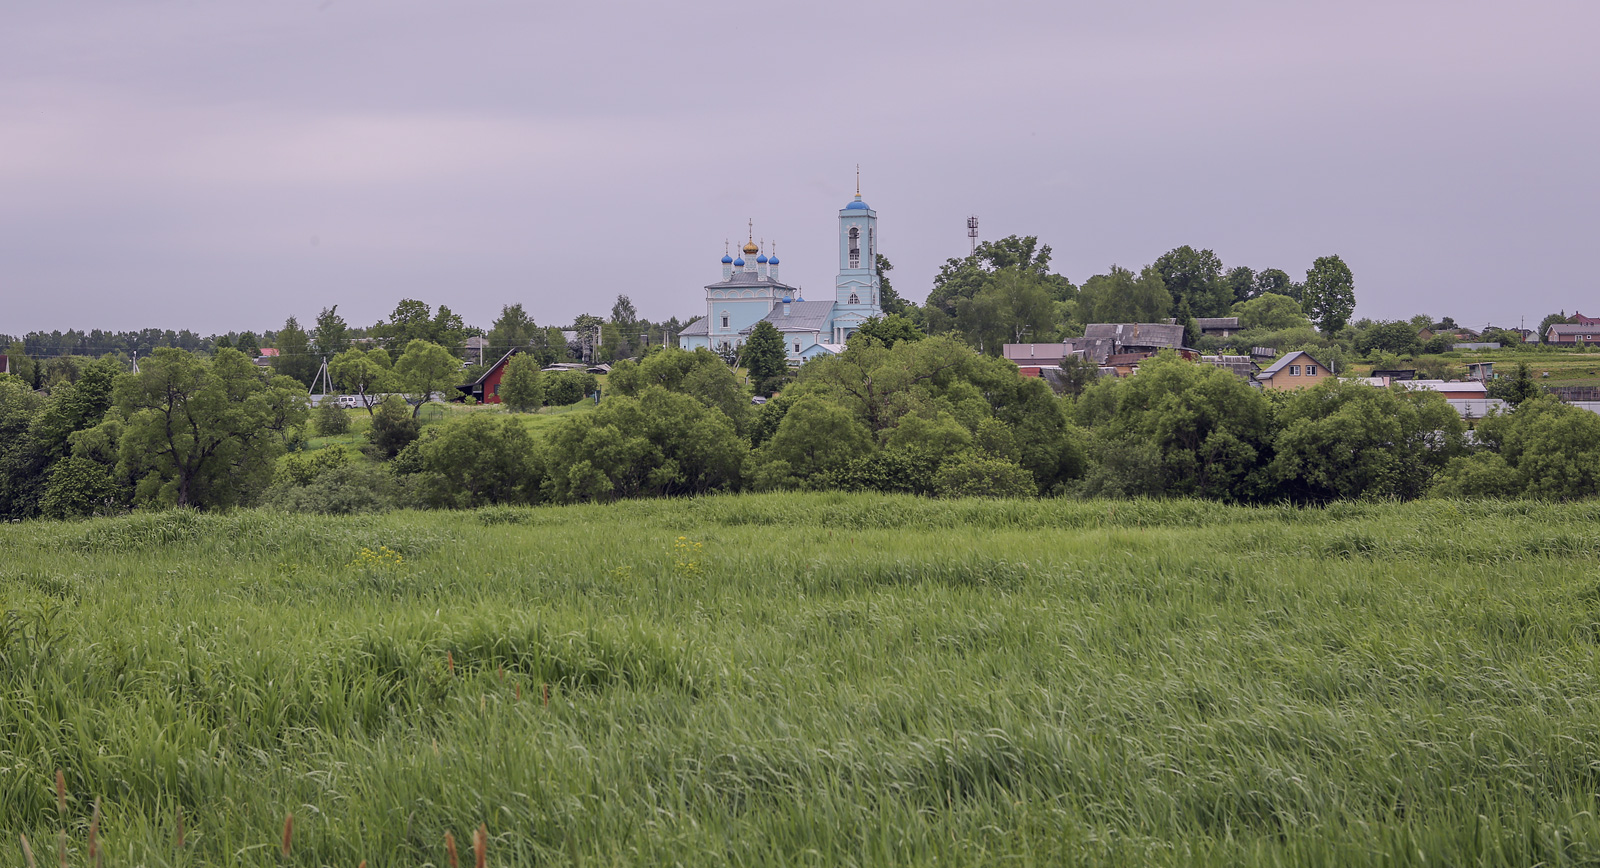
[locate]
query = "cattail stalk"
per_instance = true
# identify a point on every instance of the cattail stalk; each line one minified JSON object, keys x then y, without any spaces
{"x":61,"y":794}
{"x":94,"y":835}
{"x":450,"y":848}
{"x":27,"y":852}
{"x":288,"y":835}
{"x":546,"y":695}
{"x":450,"y":659}
{"x":61,"y":847}
{"x":480,"y":844}
{"x":178,"y":839}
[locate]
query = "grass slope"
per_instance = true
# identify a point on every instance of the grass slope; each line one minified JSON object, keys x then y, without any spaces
{"x":811,"y":680}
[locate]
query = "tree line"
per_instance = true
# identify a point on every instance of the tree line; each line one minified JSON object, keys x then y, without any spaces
{"x":897,"y":411}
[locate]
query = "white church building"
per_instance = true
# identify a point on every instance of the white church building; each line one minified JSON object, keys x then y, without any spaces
{"x":750,"y":291}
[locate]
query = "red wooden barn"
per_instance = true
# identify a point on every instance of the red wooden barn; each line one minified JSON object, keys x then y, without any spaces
{"x":487,"y":387}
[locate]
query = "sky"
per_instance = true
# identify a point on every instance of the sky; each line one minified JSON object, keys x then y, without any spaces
{"x":223,"y":166}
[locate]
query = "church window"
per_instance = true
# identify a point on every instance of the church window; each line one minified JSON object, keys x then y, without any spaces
{"x":724,"y":319}
{"x":855,"y":247}
{"x":855,"y":299}
{"x":797,"y":346}
{"x":871,"y":245}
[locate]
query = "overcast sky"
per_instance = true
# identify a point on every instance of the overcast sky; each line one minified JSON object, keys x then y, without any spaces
{"x":221,"y":166}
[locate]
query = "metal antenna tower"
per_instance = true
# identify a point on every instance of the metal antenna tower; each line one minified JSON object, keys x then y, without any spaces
{"x":972,"y":232}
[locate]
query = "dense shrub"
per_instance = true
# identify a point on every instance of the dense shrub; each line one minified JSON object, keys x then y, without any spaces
{"x":658,"y":444}
{"x":974,"y":474}
{"x":393,"y":427}
{"x":481,"y":460}
{"x":567,"y":388}
{"x":331,"y":419}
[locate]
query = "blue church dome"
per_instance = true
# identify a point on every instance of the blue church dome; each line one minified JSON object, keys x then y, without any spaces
{"x":787,"y":299}
{"x":739,"y":262}
{"x":762,"y":259}
{"x":726,"y":259}
{"x":773,"y":261}
{"x":856,"y":205}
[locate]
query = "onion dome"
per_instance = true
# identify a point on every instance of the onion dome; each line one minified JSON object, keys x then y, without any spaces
{"x":787,"y":299}
{"x":856,"y":204}
{"x":762,"y":259}
{"x":739,"y":262}
{"x":726,"y":259}
{"x":750,"y":249}
{"x":773,"y":260}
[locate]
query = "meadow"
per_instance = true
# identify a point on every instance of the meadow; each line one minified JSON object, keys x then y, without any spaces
{"x":809,"y":680}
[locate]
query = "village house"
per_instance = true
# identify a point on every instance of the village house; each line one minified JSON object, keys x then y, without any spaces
{"x":1297,"y":370}
{"x":1218,"y":326}
{"x":1572,"y":334}
{"x":486,"y":389}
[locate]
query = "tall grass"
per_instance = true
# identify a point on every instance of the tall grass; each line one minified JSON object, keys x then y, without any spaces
{"x":839,"y":679}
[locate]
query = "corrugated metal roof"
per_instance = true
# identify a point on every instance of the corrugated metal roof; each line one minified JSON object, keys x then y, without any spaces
{"x":695,"y":329}
{"x":1138,"y":334}
{"x":803,"y":316}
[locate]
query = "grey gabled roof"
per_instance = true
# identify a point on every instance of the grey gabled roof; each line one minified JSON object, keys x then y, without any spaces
{"x":1217,"y":322}
{"x":1137,"y":334}
{"x":803,"y":316}
{"x":749,"y":278}
{"x":695,"y":329}
{"x":1572,"y":328}
{"x":1279,"y":364}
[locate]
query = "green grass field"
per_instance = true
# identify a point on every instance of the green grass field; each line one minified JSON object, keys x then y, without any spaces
{"x":810,"y":680}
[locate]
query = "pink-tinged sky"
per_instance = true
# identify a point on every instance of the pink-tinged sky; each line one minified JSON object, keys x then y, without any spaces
{"x":221,"y":166}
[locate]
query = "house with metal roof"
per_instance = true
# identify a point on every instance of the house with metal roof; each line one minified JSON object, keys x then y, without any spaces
{"x":1297,"y":370}
{"x":1571,"y":334}
{"x":750,"y":292}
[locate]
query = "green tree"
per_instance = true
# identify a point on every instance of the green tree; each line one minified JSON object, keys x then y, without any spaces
{"x":79,"y":488}
{"x":331,"y":335}
{"x":514,"y":330}
{"x":522,"y":384}
{"x":1277,"y":282}
{"x":888,"y":299}
{"x":426,"y":369}
{"x":481,"y":460}
{"x":331,"y":418}
{"x":21,"y":366}
{"x":1396,"y":337}
{"x":1121,"y":296}
{"x":413,"y":320}
{"x":1211,"y":433}
{"x":888,"y":330}
{"x":1241,"y":281}
{"x":294,"y":353}
{"x":1270,"y":312}
{"x":1516,"y":388}
{"x":763,"y":356}
{"x":364,"y":373}
{"x":965,"y":278}
{"x":975,"y":474}
{"x":1550,"y":320}
{"x":1348,"y":440}
{"x":1329,"y":296}
{"x":564,"y":389}
{"x":203,"y":434}
{"x":657,"y":445}
{"x":1013,"y":306}
{"x":817,"y":436}
{"x":624,"y":315}
{"x":1194,"y":277}
{"x":394,"y":427}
